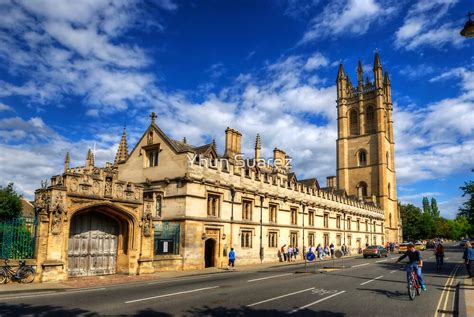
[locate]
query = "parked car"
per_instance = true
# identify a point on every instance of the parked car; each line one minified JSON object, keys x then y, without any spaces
{"x":403,"y":247}
{"x":375,"y":251}
{"x":463,"y":242}
{"x":420,"y":246}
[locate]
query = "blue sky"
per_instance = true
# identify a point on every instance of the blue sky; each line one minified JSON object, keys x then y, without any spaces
{"x":72,"y":74}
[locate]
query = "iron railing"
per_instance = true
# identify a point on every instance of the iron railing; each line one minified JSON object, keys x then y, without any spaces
{"x":18,"y":238}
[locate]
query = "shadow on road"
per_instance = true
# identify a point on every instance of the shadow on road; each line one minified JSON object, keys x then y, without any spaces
{"x":244,"y":311}
{"x":401,"y":296}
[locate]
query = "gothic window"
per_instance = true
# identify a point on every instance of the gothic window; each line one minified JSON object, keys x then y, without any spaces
{"x":294,"y":239}
{"x":152,"y":157}
{"x":348,"y":223}
{"x":390,"y":220}
{"x":349,"y":240}
{"x":273,"y":213}
{"x":311,"y":218}
{"x":247,"y":210}
{"x":386,"y":159}
{"x":246,"y":239}
{"x":294,"y":216}
{"x":338,"y":222}
{"x":358,"y":225}
{"x":326,"y":220}
{"x":353,"y":122}
{"x":388,"y":188}
{"x":362,"y":189}
{"x":311,"y":239}
{"x":272,"y":239}
{"x":338,"y":240}
{"x":362,"y":158}
{"x":370,"y":119}
{"x":213,"y":205}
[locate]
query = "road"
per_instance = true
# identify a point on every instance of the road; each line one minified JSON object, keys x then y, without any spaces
{"x":370,"y":287}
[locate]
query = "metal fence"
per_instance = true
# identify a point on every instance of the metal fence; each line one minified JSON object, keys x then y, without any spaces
{"x":166,"y":238}
{"x":18,"y":238}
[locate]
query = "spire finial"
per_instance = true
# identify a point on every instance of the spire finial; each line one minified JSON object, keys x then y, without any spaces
{"x":258,"y":142}
{"x":153,"y":117}
{"x":67,"y":160}
{"x":214,"y":144}
{"x":122,"y":151}
{"x":386,"y":79}
{"x":340,"y":73}
{"x":377,"y":63}
{"x":90,"y":158}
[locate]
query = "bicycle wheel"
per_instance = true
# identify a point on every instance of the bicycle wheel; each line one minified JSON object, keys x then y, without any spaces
{"x":27,"y":275}
{"x":3,"y":276}
{"x":411,"y":292}
{"x":418,"y":290}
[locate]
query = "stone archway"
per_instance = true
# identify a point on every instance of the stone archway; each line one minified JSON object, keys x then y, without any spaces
{"x":92,"y":244}
{"x":210,"y":248}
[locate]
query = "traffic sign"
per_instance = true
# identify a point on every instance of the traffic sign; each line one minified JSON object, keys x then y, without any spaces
{"x":310,"y":256}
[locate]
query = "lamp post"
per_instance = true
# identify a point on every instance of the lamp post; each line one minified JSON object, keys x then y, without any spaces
{"x":304,"y":254}
{"x":232,"y":195}
{"x":261,"y":228}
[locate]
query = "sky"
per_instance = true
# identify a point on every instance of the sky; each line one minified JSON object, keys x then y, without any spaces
{"x":74,"y":73}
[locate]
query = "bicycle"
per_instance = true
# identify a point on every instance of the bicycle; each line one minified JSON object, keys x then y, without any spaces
{"x":414,"y":287}
{"x":24,"y":273}
{"x":439,"y":262}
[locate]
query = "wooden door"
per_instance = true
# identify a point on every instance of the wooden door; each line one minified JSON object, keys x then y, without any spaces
{"x":92,"y":247}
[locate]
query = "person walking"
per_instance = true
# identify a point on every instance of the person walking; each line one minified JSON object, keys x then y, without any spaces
{"x":332,"y":248}
{"x":296,"y":251}
{"x":319,"y":249}
{"x":231,"y":259}
{"x":283,"y":252}
{"x":290,"y":253}
{"x":468,"y":257}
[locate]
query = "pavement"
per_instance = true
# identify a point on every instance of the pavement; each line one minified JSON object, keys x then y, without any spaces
{"x":369,"y":287}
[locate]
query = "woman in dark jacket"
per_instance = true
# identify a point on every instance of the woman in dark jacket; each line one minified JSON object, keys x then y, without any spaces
{"x":468,"y":257}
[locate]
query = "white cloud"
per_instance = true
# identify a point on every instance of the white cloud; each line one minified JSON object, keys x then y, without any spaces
{"x":316,"y":61}
{"x":4,"y":107}
{"x":352,"y":17}
{"x":424,"y":26}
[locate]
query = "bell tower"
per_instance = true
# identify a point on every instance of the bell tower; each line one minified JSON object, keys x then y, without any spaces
{"x":365,"y":144}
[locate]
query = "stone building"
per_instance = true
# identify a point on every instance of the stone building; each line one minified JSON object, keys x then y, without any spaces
{"x":168,"y":205}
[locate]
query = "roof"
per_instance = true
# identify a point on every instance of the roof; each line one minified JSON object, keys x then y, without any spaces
{"x":310,"y":182}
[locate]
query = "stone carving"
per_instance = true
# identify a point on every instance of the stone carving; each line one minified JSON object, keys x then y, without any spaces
{"x":147,"y":221}
{"x":57,"y":215}
{"x":119,"y":191}
{"x":108,"y":187}
{"x":96,"y":187}
{"x":74,"y":184}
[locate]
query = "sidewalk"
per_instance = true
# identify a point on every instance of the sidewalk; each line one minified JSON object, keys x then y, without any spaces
{"x":466,"y":298}
{"x":120,"y":279}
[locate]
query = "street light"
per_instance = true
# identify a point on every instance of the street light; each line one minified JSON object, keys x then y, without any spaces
{"x":304,"y":254}
{"x":468,"y":29}
{"x":261,"y":228}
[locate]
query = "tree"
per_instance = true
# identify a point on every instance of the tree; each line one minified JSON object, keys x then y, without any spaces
{"x":426,"y":205}
{"x":10,"y":202}
{"x":411,"y":219}
{"x":434,"y":207}
{"x":467,"y":208}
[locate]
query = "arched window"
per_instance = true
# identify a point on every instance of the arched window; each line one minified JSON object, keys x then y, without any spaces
{"x":390,"y":220}
{"x":370,"y":119}
{"x":388,"y":188}
{"x":362,"y":189}
{"x":386,"y":158}
{"x":353,"y":122}
{"x":362,"y":158}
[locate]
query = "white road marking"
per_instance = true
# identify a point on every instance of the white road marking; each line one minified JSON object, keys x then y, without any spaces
{"x":179,"y":279}
{"x":168,"y":295}
{"x":85,"y":290}
{"x":278,"y":297}
{"x":360,"y":265}
{"x":447,"y":259}
{"x":268,"y":277}
{"x":27,"y":296}
{"x":314,"y":303}
{"x":381,"y":261}
{"x":447,"y":294}
{"x":444,"y":292}
{"x":366,"y":282}
{"x":394,"y":271}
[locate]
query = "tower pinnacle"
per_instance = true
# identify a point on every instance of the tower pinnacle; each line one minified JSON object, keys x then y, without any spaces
{"x":122,"y":151}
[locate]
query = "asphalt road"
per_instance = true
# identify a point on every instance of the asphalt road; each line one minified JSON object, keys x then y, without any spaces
{"x":370,"y":287}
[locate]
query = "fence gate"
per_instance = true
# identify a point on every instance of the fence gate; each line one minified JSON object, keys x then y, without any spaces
{"x":18,"y":238}
{"x":92,"y":247}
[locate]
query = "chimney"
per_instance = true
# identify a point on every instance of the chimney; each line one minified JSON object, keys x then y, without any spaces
{"x":67,"y":160}
{"x":232,"y":143}
{"x":279,"y":157}
{"x":331,"y":181}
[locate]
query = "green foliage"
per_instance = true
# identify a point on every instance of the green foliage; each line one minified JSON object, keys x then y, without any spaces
{"x":10,"y":202}
{"x":426,"y":205}
{"x":434,"y":207}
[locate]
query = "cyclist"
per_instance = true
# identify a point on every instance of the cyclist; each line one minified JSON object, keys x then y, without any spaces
{"x":439,"y":253}
{"x":415,"y":262}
